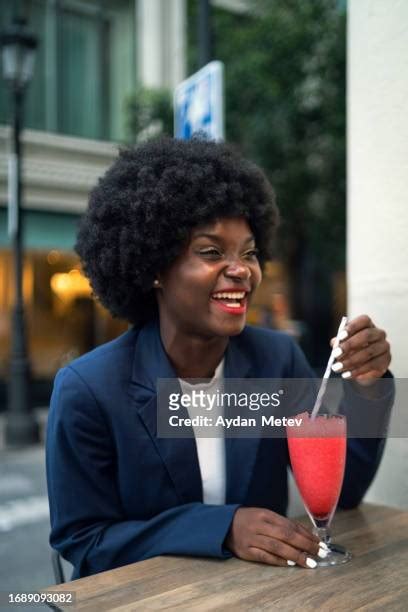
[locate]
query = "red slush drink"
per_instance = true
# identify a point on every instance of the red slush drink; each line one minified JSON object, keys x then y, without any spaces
{"x":317,"y":451}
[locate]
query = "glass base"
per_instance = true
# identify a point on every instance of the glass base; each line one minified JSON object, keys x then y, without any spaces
{"x":337,"y":556}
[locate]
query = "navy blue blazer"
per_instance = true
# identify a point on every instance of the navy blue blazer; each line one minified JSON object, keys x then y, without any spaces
{"x":119,"y":494}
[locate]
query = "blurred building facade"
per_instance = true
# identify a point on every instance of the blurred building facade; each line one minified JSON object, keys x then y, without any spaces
{"x":91,"y":55}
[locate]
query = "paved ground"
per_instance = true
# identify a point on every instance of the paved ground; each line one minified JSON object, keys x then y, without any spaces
{"x":24,"y":523}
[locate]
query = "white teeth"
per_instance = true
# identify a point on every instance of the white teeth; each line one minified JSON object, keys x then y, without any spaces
{"x":233,"y":305}
{"x":237,"y":296}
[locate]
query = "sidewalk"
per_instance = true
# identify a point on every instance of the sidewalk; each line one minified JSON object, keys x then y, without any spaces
{"x":41,"y":417}
{"x":25,"y":562}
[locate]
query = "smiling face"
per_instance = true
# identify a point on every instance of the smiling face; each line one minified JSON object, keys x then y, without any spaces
{"x":206,"y":291}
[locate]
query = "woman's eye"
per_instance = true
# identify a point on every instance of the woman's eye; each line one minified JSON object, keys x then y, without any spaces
{"x":215,"y":253}
{"x":210,"y":253}
{"x":252,"y":254}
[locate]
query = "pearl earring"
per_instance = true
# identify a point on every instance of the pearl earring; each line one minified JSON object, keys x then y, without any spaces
{"x":156,"y":283}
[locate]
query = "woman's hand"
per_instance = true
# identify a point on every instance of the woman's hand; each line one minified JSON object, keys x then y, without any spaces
{"x":257,"y":534}
{"x":365,"y":354}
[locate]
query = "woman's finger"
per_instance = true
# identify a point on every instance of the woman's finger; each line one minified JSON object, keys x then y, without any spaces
{"x":306,"y":532}
{"x":377,"y":366}
{"x":290,"y":535}
{"x":362,"y":339}
{"x":367,"y":379}
{"x":364,"y":356}
{"x":289,"y":526}
{"x":263,"y":556}
{"x":358,"y":323}
{"x":287,"y":552}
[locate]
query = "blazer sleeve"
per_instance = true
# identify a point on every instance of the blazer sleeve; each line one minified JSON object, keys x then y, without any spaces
{"x":363,"y":453}
{"x":88,"y":525}
{"x":366,"y":417}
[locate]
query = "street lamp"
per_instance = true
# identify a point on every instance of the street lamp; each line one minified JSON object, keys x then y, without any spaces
{"x":18,"y":53}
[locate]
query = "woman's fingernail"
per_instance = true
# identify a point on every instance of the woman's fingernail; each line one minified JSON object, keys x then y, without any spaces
{"x":346,"y":374}
{"x":289,"y":562}
{"x":336,"y":367}
{"x":343,"y":335}
{"x":337,"y":352}
{"x":323,"y":545}
{"x":322,"y":553}
{"x":311,"y":563}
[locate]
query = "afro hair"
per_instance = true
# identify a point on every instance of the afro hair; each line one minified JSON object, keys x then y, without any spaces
{"x":142,"y":211}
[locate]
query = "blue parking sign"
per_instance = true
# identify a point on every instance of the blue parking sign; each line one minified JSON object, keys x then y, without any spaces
{"x":198,"y":104}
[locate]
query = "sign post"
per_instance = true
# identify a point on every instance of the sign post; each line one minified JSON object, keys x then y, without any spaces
{"x":199,"y":104}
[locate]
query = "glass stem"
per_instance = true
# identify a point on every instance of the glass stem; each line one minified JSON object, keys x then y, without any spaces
{"x":322,"y":530}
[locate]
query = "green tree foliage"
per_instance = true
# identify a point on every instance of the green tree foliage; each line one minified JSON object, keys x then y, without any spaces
{"x":148,"y":112}
{"x":285,"y":108}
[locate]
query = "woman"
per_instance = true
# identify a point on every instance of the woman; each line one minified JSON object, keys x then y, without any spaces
{"x":174,"y":240}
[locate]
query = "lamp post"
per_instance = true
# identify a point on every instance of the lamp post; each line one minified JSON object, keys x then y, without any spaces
{"x":204,"y":33}
{"x":18,"y":53}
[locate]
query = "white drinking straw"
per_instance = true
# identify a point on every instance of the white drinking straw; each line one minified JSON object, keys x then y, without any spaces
{"x":326,"y":375}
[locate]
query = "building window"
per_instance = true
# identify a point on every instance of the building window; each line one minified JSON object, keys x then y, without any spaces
{"x":63,"y":319}
{"x":83,"y":41}
{"x":85,"y":66}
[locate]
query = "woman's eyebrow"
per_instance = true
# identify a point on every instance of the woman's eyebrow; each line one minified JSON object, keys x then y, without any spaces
{"x":250,"y":238}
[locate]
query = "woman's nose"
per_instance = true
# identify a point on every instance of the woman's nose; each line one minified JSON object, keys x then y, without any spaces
{"x":238,"y":270}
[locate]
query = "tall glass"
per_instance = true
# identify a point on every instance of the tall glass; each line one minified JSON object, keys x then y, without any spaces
{"x":317,"y":450}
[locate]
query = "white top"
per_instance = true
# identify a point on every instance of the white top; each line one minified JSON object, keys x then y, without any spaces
{"x":210,"y":451}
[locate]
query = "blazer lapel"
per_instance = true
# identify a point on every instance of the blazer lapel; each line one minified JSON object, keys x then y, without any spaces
{"x":240,"y":452}
{"x":179,"y":455}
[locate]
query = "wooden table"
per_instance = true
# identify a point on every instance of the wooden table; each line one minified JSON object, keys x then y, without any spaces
{"x":375,"y":579}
